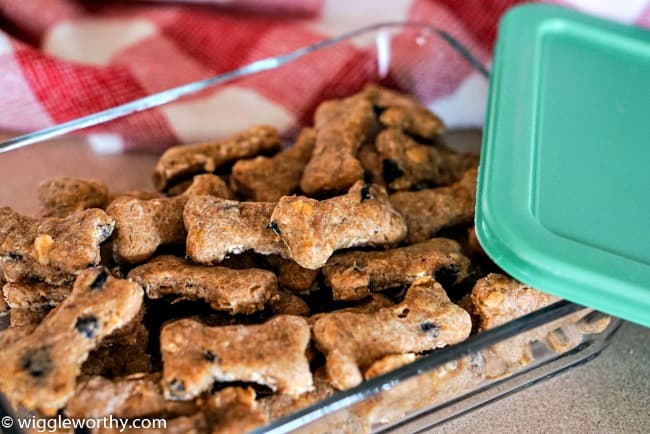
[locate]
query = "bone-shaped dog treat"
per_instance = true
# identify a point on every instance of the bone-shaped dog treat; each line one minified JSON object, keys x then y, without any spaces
{"x":232,"y":410}
{"x":137,"y":395}
{"x":407,"y":163}
{"x":428,"y":211}
{"x":292,"y":276}
{"x":141,"y":226}
{"x":372,"y":164}
{"x":498,"y":299}
{"x":218,"y":227}
{"x":272,"y":354}
{"x":353,"y":275}
{"x":402,"y":112}
{"x":312,"y":230}
{"x":53,"y":250}
{"x":287,"y":303}
{"x":371,"y":304}
{"x":277,"y":405}
{"x":444,"y":383}
{"x":61,"y":197}
{"x":121,"y":353}
{"x":235,"y":291}
{"x":30,"y":295}
{"x":424,"y":320}
{"x":40,"y":370}
{"x":342,"y":127}
{"x":186,"y":160}
{"x":20,"y":317}
{"x":267,"y":179}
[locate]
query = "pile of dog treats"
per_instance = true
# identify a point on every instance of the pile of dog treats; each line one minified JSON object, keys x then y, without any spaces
{"x":259,"y":279}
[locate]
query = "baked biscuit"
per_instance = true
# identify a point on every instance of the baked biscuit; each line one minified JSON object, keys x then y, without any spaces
{"x":403,"y":112}
{"x":312,"y":230}
{"x":217,"y":228}
{"x":498,"y":299}
{"x":20,"y":317}
{"x":428,"y":211}
{"x":141,"y":226}
{"x":62,"y":197}
{"x":53,"y":250}
{"x":273,"y":354}
{"x":287,"y":303}
{"x":407,"y":163}
{"x":121,"y":353}
{"x":235,"y":291}
{"x":279,"y":405}
{"x":342,"y":126}
{"x":292,"y":276}
{"x":445,"y":383}
{"x":30,"y":295}
{"x":40,"y":370}
{"x":353,"y":275}
{"x":423,"y":321}
{"x":267,"y":179}
{"x":137,"y":395}
{"x":184,"y":161}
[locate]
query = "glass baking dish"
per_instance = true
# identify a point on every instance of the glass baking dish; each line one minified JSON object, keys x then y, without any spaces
{"x":436,"y":387}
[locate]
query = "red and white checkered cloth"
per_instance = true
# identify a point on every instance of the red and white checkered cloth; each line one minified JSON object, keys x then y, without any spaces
{"x":61,"y":59}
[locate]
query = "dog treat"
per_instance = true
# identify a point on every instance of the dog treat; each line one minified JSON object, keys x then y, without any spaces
{"x":372,"y":164}
{"x":40,"y":370}
{"x":141,"y":226}
{"x":278,"y":405}
{"x":428,"y":211}
{"x":54,"y":250}
{"x":183,"y":161}
{"x":11,"y":335}
{"x":407,"y":163}
{"x":341,"y":128}
{"x":267,"y":179}
{"x":32,"y":295}
{"x":353,"y":275}
{"x":218,"y":227}
{"x":62,"y":197}
{"x":138,"y":194}
{"x":19,"y":317}
{"x":498,"y":299}
{"x":292,"y":276}
{"x":402,"y":112}
{"x":474,"y":247}
{"x":445,"y":383}
{"x":593,"y":322}
{"x":178,"y":189}
{"x":4,"y":307}
{"x":423,"y":321}
{"x":234,"y":410}
{"x":225,"y":289}
{"x":388,"y":363}
{"x":272,"y":354}
{"x":312,"y":230}
{"x":121,"y":353}
{"x":137,"y":395}
{"x":287,"y":303}
{"x":371,"y":304}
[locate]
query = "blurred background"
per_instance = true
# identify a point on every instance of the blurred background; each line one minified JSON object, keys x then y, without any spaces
{"x":61,"y":59}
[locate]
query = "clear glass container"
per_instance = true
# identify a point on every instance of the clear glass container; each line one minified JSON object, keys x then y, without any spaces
{"x":434,"y":388}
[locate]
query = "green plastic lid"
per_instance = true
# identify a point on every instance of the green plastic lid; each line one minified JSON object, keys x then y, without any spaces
{"x":564,"y":184}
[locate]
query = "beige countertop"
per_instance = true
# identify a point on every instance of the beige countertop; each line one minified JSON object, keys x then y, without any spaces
{"x":610,"y":394}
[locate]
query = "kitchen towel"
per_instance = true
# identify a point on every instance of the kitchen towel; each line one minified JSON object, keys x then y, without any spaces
{"x":61,"y":59}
